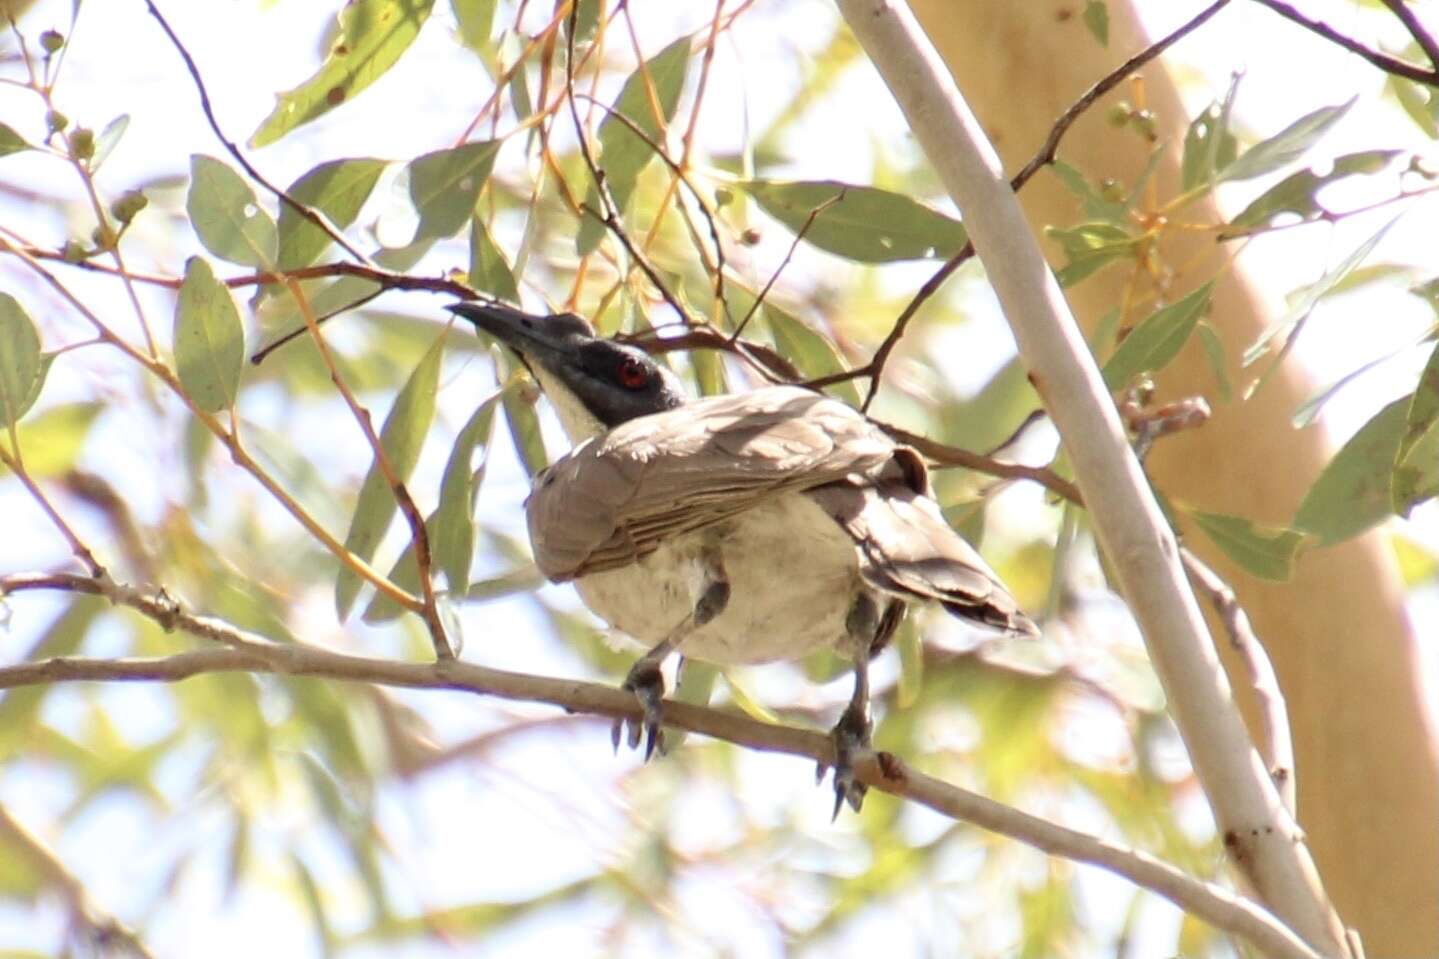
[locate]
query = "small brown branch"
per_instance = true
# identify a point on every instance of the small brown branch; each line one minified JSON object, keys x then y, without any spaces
{"x":789,"y":254}
{"x":954,"y":456}
{"x":704,"y":337}
{"x":1275,"y":744}
{"x":103,"y":932}
{"x":16,"y":465}
{"x":304,"y":210}
{"x":247,"y":652}
{"x":1391,"y":65}
{"x":1416,"y":29}
{"x":419,"y":536}
{"x":609,"y":215}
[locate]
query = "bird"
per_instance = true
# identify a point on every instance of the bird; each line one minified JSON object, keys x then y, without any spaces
{"x":746,"y":527}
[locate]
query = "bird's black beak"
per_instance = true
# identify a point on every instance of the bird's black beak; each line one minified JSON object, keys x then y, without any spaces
{"x":533,"y":337}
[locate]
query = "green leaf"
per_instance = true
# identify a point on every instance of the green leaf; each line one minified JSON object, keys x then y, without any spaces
{"x":524,"y":425}
{"x":1287,"y":145}
{"x":1304,"y":303}
{"x":11,"y":142}
{"x":1267,"y":552}
{"x":1353,"y":491}
{"x":372,"y":36}
{"x":227,"y":217}
{"x":1214,"y":354}
{"x":51,"y":441}
{"x":209,"y":339}
{"x":453,"y":544}
{"x":338,"y":189}
{"x":1310,"y":408}
{"x":1416,"y":470}
{"x":108,"y":140}
{"x":477,"y":22}
{"x":1158,"y":339}
{"x":1298,"y":193}
{"x":489,"y":272}
{"x":444,"y":186}
{"x":810,"y":351}
{"x":1090,"y":246}
{"x":1418,"y":100}
{"x":1209,"y":144}
{"x":401,"y":438}
{"x":22,"y":369}
{"x":1096,"y":19}
{"x":1096,"y":206}
{"x":862,"y":223}
{"x":623,"y":154}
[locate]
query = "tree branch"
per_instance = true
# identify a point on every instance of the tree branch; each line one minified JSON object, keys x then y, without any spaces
{"x":250,"y":653}
{"x":1399,"y":68}
{"x":1131,"y":529}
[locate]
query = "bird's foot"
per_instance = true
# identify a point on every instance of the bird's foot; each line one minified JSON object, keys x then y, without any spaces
{"x":851,"y":737}
{"x":648,"y":685}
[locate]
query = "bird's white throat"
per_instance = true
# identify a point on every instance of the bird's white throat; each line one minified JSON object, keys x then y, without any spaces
{"x":579,"y":423}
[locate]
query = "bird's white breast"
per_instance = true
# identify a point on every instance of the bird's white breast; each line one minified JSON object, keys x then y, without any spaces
{"x":792,"y":573}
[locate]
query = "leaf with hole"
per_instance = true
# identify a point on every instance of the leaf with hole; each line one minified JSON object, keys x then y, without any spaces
{"x":1267,"y":552}
{"x":861,"y":223}
{"x":1157,"y":340}
{"x":372,"y":36}
{"x":1298,"y":194}
{"x":444,"y":186}
{"x":209,"y":339}
{"x":648,"y":100}
{"x":227,"y":217}
{"x":1209,"y":144}
{"x":1352,"y":493}
{"x":22,"y":367}
{"x":337,"y":189}
{"x":402,"y":437}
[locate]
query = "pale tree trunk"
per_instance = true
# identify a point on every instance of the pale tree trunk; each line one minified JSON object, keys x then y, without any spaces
{"x":1367,"y":753}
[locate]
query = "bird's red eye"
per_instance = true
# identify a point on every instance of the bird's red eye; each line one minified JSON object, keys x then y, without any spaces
{"x":633,"y":374}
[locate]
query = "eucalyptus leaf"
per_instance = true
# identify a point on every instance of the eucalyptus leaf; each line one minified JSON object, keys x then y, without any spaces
{"x":1353,"y":491}
{"x":1089,"y":247}
{"x":445,"y":185}
{"x":372,"y":36}
{"x":489,"y":273}
{"x":402,"y":437}
{"x":108,"y":139}
{"x":22,"y":367}
{"x":209,"y":339}
{"x":1297,"y":194}
{"x":227,"y":217}
{"x":1267,"y":552}
{"x":1287,"y":145}
{"x":862,"y":223}
{"x":11,"y":142}
{"x":1096,"y":20}
{"x":648,"y":100}
{"x":476,"y":19}
{"x":810,"y":351}
{"x":1157,"y":340}
{"x":1209,"y":144}
{"x":337,"y":189}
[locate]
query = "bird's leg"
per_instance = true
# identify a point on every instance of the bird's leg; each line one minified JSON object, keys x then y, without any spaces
{"x":851,"y":733}
{"x":645,"y":679}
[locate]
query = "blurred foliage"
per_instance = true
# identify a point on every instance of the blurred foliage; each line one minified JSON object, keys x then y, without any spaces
{"x":304,"y":776}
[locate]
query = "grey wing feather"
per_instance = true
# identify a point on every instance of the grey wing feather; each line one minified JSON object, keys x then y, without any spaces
{"x":908,"y":549}
{"x":614,"y":499}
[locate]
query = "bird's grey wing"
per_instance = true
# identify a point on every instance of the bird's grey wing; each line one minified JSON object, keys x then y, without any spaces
{"x":907,"y":548}
{"x":615,"y":499}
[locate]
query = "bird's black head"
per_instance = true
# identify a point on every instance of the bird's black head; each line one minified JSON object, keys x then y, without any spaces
{"x":595,"y":384}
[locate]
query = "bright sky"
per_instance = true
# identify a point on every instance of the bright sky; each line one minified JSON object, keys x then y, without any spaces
{"x":521,"y":821}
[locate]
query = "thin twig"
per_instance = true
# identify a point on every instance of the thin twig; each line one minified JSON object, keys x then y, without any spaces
{"x":419,"y":536}
{"x":954,"y":456}
{"x":16,"y":465}
{"x":105,"y":932}
{"x":1416,"y":29}
{"x":789,"y":254}
{"x":1392,"y":65}
{"x":304,"y":210}
{"x":250,"y":653}
{"x":1276,"y":745}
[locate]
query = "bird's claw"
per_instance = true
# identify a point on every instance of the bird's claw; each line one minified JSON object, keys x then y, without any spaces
{"x":648,"y":686}
{"x":850,"y":736}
